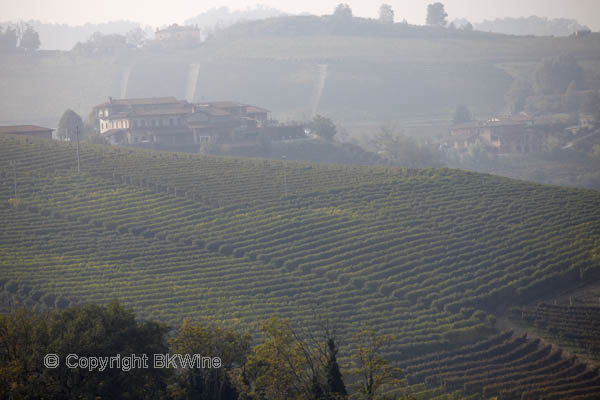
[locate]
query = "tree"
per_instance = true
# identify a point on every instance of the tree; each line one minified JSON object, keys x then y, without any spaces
{"x":374,"y":374}
{"x":136,"y":37}
{"x":230,"y":346}
{"x":8,"y":40}
{"x":323,"y":127}
{"x":292,"y":365}
{"x":386,"y":14}
{"x":278,"y":366}
{"x":571,"y":99}
{"x":461,"y":115}
{"x":68,"y":125}
{"x":335,"y":385}
{"x":516,"y":97}
{"x":403,"y":150}
{"x":591,"y":104}
{"x":91,"y":330}
{"x":342,"y":10}
{"x":554,"y":75}
{"x":30,"y":39}
{"x":436,"y":15}
{"x":103,"y":44}
{"x":468,"y":27}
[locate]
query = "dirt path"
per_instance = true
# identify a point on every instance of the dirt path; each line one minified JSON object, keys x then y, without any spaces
{"x":503,"y":323}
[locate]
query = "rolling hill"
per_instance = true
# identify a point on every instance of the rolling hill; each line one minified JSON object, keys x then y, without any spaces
{"x":357,"y":72}
{"x":430,"y":256}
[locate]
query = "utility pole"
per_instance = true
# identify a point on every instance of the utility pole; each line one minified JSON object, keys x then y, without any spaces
{"x":284,"y":177}
{"x":14,"y":165}
{"x":77,"y":135}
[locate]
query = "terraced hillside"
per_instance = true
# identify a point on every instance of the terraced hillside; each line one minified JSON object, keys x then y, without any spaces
{"x":577,"y":327}
{"x":426,"y":255}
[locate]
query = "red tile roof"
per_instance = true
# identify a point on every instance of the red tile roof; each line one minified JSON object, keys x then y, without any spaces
{"x":254,"y":110}
{"x":225,"y":104}
{"x":141,"y":101}
{"x":23,"y":129}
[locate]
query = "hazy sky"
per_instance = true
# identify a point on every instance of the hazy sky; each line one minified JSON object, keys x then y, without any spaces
{"x":161,"y":12}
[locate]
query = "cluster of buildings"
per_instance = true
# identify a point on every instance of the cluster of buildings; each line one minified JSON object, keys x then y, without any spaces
{"x":171,"y":124}
{"x":504,"y":135}
{"x":167,"y":123}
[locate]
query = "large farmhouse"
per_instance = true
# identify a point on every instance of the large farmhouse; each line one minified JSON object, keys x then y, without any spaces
{"x":167,"y":122}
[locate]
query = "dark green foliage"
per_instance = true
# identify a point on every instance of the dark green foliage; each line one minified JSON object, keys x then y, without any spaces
{"x":68,"y":125}
{"x":85,"y":331}
{"x":555,"y":74}
{"x":335,"y":385}
{"x":230,"y":346}
{"x":323,"y":127}
{"x":517,"y":95}
{"x":461,"y":115}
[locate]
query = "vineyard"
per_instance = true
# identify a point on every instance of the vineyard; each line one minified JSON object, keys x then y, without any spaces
{"x":576,"y":327}
{"x":426,"y":255}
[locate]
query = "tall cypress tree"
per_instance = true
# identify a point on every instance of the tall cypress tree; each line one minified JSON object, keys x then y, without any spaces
{"x":335,"y":385}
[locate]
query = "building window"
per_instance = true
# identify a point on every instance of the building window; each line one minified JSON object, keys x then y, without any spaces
{"x":170,"y":121}
{"x":143,"y":122}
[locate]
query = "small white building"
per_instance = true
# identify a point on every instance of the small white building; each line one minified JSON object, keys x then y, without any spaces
{"x":179,"y":36}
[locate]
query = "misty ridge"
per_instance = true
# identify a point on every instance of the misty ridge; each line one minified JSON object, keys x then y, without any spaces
{"x":54,"y":36}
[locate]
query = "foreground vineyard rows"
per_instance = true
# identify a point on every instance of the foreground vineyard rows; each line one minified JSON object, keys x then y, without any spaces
{"x":426,"y":255}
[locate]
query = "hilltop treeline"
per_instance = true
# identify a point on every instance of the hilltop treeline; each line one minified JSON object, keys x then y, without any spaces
{"x":312,"y":25}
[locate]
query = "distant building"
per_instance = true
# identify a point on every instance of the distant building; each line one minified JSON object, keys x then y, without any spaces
{"x":179,"y":36}
{"x":166,"y":122}
{"x":515,"y":134}
{"x":27,"y":130}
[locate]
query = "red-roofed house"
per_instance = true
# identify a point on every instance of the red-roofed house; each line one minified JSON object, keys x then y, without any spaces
{"x":27,"y":130}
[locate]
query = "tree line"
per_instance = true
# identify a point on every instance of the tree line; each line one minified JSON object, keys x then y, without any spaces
{"x":19,"y":38}
{"x":286,"y":362}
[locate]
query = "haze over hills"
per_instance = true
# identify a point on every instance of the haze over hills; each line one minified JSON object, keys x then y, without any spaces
{"x":371,"y":73}
{"x":533,"y":25}
{"x":64,"y":37}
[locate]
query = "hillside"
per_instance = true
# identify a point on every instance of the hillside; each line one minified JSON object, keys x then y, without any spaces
{"x":427,"y":255}
{"x":358,"y":72}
